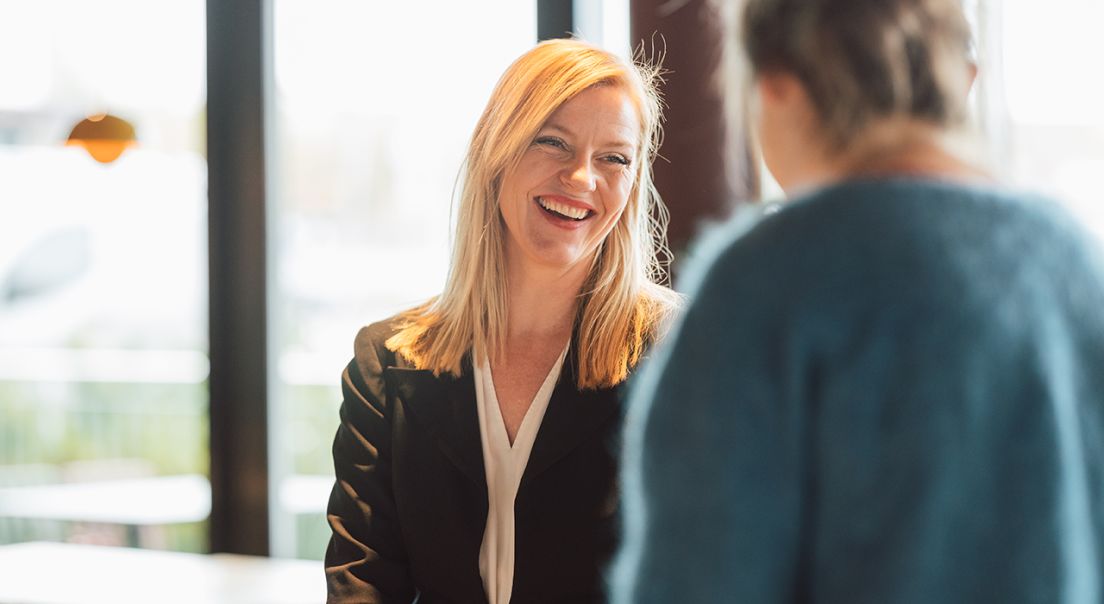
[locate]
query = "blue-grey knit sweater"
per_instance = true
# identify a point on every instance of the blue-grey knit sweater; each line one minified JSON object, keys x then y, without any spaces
{"x":887,"y":392}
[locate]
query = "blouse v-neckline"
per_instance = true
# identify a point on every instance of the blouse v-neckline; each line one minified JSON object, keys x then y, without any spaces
{"x":504,"y":466}
{"x":530,"y":422}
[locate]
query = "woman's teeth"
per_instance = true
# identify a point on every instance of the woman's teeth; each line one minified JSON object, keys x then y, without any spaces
{"x":563,"y":209}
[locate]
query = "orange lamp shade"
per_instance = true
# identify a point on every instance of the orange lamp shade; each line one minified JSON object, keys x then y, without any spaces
{"x":104,"y":136}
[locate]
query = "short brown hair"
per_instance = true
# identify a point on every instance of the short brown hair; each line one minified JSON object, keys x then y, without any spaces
{"x":862,"y":59}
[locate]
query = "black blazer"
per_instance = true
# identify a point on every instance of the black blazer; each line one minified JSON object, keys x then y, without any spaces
{"x":410,"y":502}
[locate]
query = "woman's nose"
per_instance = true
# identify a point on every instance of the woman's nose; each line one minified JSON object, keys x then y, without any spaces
{"x":579,"y":175}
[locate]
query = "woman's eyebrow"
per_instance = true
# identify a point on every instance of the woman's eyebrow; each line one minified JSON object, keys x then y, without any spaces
{"x":555,"y":126}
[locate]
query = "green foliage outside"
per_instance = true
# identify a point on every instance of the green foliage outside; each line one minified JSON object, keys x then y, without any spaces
{"x":71,"y":432}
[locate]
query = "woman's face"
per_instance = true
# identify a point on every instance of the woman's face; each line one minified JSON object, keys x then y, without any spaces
{"x":573,"y":182}
{"x":785,"y":121}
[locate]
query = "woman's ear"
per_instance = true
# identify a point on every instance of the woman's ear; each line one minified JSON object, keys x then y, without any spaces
{"x":779,"y":88}
{"x":971,"y":76}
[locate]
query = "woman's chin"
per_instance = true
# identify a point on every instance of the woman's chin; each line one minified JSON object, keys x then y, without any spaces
{"x":559,"y":257}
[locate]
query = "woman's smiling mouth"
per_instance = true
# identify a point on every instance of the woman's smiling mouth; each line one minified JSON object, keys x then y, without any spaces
{"x":563,"y":210}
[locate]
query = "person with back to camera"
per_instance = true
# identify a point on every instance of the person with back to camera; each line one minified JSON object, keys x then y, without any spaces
{"x":476,"y":460}
{"x":892,"y":389}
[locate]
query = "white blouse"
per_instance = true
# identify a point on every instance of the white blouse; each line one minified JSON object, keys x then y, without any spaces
{"x":504,"y":465}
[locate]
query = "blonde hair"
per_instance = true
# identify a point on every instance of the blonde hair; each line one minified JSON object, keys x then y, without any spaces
{"x":622,"y":305}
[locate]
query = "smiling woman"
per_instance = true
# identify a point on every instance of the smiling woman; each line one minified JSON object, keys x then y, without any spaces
{"x":528,"y":111}
{"x":573,"y":183}
{"x":480,"y":422}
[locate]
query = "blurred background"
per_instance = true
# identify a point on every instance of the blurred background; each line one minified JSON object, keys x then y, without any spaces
{"x":126,"y":412}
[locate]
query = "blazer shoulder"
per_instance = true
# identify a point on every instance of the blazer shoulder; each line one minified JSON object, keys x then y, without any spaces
{"x":370,"y":352}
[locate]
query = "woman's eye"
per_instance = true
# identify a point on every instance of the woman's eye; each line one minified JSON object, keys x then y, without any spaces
{"x":618,"y":159}
{"x":551,"y":141}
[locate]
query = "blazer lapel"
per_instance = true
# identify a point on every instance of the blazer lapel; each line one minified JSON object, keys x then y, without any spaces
{"x":571,"y":417}
{"x":446,"y":406}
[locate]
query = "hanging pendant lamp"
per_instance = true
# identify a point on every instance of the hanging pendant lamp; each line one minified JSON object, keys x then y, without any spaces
{"x":104,"y":136}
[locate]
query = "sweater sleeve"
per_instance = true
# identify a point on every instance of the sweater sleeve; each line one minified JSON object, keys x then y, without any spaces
{"x":714,"y":455}
{"x":366,"y":560}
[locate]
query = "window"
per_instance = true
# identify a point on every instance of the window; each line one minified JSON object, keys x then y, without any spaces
{"x":1042,"y":98}
{"x":103,"y":407}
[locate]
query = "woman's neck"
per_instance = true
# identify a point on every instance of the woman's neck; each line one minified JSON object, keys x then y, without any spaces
{"x":889,"y":148}
{"x":542,"y":301}
{"x":906,"y":148}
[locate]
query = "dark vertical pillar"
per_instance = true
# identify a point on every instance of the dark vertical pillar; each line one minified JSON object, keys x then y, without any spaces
{"x":705,"y":166}
{"x":236,"y":52}
{"x":555,"y":19}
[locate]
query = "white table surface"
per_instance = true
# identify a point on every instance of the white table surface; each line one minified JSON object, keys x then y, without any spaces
{"x":141,"y":501}
{"x":147,"y":501}
{"x":61,"y":573}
